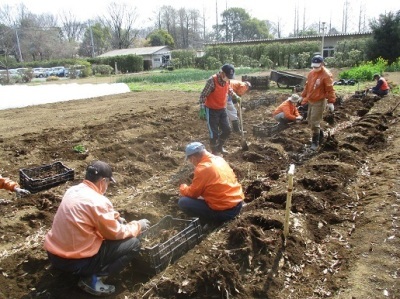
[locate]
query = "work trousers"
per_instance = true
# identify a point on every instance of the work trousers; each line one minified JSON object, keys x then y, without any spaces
{"x":231,"y":111}
{"x":112,"y":257}
{"x":218,"y":126}
{"x":315,"y":114}
{"x":199,"y":208}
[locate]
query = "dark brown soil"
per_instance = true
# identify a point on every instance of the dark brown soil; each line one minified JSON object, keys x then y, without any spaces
{"x":344,"y":222}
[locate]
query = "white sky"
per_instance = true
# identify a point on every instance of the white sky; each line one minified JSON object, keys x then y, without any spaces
{"x":329,"y":11}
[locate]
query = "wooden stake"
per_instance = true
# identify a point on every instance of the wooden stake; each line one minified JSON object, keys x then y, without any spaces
{"x":288,"y":200}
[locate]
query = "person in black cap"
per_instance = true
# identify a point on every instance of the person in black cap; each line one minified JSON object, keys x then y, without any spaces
{"x":88,"y":237}
{"x":213,"y":101}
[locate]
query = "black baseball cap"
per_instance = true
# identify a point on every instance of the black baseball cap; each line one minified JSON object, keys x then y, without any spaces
{"x":229,"y":70}
{"x":99,"y":169}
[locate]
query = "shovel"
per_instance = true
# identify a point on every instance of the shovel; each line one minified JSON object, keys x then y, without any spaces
{"x":245,"y":147}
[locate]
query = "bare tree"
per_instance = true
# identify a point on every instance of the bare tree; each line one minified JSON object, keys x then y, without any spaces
{"x":72,"y":29}
{"x":120,"y":20}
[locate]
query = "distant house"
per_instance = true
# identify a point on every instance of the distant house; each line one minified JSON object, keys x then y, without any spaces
{"x":153,"y":57}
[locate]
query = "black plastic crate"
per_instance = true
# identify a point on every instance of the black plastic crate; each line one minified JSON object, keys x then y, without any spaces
{"x":44,"y":177}
{"x":154,"y":259}
{"x":265,"y":129}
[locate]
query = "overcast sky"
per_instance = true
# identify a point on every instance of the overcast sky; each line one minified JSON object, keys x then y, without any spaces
{"x":282,"y":11}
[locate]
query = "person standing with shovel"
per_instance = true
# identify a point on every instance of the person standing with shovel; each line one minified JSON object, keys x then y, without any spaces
{"x":213,"y":101}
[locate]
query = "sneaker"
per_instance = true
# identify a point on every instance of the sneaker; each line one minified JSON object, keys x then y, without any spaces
{"x":94,"y":285}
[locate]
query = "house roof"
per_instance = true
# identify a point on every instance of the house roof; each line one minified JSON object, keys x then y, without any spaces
{"x":137,"y":51}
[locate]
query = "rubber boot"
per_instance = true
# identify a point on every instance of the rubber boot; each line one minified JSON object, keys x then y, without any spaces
{"x":214,"y":147}
{"x":220,"y":147}
{"x":321,"y":137}
{"x":315,"y":142}
{"x":235,"y":126}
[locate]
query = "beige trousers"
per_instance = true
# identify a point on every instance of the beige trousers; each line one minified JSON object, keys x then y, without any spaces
{"x":315,"y":114}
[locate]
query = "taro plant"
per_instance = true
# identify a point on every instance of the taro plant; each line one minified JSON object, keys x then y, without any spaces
{"x":79,"y":148}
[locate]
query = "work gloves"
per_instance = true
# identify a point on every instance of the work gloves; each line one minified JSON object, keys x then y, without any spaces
{"x":202,"y":112}
{"x":299,"y":118}
{"x":236,"y":99}
{"x":144,"y":224}
{"x":21,"y":192}
{"x":122,"y":220}
{"x":330,"y":106}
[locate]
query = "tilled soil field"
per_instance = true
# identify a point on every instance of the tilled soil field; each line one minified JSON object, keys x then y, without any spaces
{"x":344,"y":222}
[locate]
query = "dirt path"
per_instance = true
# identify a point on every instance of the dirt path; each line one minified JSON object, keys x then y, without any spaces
{"x":344,"y":235}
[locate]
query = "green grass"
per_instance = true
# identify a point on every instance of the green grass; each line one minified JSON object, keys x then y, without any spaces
{"x":178,"y":80}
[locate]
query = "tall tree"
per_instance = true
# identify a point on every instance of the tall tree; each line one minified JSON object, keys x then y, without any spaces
{"x":120,"y":20}
{"x":238,"y":25}
{"x":385,"y":41}
{"x":96,"y":40}
{"x":160,"y":38}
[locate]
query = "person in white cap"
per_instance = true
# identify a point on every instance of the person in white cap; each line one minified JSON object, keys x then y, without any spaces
{"x":319,"y":94}
{"x":215,"y":195}
{"x":213,"y":101}
{"x":88,"y":237}
{"x":287,"y":111}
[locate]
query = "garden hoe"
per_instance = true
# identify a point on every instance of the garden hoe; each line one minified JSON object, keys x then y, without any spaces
{"x":245,"y":147}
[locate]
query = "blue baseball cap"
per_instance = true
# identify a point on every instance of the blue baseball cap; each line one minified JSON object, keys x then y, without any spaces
{"x":193,"y":148}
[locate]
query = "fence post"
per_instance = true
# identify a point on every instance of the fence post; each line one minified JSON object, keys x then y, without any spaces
{"x":288,"y":200}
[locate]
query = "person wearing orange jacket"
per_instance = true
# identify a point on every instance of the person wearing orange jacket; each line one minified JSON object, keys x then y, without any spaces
{"x":382,"y":87}
{"x":88,"y":237}
{"x":287,"y":111}
{"x":215,"y":195}
{"x":7,"y":184}
{"x":240,"y":88}
{"x":213,"y":101}
{"x":319,"y":94}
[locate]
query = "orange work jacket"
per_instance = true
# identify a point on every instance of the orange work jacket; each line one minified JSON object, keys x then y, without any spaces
{"x":215,"y":181}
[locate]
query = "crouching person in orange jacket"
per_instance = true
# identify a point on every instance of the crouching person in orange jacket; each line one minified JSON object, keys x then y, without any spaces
{"x":88,"y":237}
{"x":287,"y":111}
{"x":7,"y":184}
{"x":215,"y":194}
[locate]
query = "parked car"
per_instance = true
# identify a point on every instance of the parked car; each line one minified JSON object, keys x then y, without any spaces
{"x":55,"y":71}
{"x":39,"y":72}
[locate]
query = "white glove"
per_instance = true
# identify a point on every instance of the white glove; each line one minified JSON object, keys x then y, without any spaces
{"x":144,"y":224}
{"x":122,"y":220}
{"x":299,"y":117}
{"x":330,"y":106}
{"x":21,"y":192}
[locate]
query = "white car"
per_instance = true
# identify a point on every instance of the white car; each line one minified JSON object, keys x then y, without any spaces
{"x":39,"y":72}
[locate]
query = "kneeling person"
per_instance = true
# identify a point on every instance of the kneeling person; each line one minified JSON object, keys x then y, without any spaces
{"x":88,"y":237}
{"x":215,"y":194}
{"x":287,"y":111}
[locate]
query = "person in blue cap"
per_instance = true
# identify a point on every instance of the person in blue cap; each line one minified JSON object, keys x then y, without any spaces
{"x":213,"y":102}
{"x":215,"y":195}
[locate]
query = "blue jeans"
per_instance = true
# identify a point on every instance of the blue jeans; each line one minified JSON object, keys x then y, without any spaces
{"x":199,"y":208}
{"x":112,"y":257}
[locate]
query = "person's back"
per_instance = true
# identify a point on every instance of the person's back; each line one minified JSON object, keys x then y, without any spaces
{"x":215,"y":193}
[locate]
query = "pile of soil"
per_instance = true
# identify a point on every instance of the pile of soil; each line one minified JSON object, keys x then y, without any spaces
{"x":343,"y":239}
